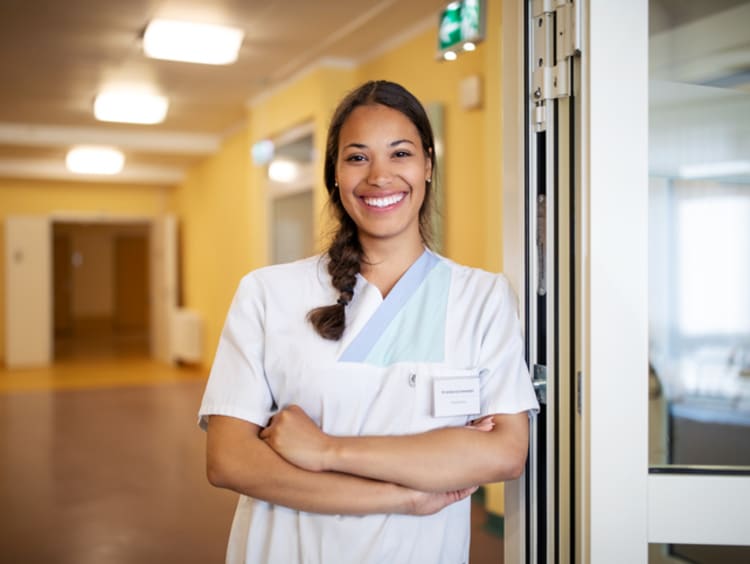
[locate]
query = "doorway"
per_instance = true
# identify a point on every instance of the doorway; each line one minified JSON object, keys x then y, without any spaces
{"x":101,"y":290}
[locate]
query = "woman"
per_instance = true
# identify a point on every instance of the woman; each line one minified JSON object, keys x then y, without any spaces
{"x":357,"y":399}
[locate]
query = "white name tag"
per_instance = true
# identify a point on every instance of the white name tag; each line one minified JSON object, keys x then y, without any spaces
{"x":456,"y":396}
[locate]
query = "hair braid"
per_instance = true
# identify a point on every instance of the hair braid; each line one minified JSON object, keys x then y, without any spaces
{"x":345,"y":254}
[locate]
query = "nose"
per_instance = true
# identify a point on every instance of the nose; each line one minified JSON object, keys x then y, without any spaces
{"x":379,"y":175}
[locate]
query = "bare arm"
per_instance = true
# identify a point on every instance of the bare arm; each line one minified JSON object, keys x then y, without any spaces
{"x":439,"y":460}
{"x":239,"y":460}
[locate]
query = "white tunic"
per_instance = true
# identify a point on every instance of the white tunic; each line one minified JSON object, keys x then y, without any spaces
{"x":441,"y":320}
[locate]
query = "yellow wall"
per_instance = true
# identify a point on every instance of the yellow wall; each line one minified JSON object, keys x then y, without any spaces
{"x":214,"y":206}
{"x":41,"y":197}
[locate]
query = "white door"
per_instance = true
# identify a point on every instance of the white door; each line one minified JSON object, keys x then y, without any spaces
{"x":594,"y":199}
{"x":164,"y":289}
{"x":28,"y":291}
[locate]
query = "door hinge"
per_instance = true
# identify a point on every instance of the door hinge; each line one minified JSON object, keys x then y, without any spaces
{"x":555,"y":43}
{"x":539,"y":380}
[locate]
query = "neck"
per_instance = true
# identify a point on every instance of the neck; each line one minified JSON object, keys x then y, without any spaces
{"x":385,"y":261}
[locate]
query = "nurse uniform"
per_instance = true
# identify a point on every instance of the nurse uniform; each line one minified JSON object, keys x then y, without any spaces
{"x":441,"y":332}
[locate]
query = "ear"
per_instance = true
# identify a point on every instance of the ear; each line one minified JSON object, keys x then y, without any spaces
{"x":428,"y":165}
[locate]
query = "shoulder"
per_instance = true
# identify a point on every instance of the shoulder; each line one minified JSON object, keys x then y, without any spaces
{"x":300,"y":271}
{"x":477,"y":277}
{"x":479,"y":290}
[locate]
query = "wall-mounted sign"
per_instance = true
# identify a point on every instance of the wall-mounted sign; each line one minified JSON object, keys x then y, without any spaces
{"x":462,"y":26}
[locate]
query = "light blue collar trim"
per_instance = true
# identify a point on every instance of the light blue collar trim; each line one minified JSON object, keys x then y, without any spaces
{"x":363,"y":343}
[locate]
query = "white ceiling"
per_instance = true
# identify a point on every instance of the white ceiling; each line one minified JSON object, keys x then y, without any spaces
{"x":56,"y":55}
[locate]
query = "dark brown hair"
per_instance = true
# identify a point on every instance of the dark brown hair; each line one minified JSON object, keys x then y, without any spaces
{"x":345,"y":250}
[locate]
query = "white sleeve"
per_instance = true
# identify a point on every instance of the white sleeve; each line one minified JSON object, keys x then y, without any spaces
{"x":237,"y":384}
{"x":505,"y":383}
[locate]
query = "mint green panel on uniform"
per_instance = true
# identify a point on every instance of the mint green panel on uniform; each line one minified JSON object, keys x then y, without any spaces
{"x":417,"y":333}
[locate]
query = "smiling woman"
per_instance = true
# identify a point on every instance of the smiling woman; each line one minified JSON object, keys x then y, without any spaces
{"x":356,"y":431}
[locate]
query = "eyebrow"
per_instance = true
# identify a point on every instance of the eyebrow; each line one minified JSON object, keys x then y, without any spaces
{"x":391,"y":144}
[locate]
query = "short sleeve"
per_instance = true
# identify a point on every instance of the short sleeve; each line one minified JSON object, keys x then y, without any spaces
{"x":237,"y":385}
{"x":505,"y":382}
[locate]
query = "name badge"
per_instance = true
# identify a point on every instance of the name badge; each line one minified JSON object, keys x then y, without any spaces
{"x":456,"y":396}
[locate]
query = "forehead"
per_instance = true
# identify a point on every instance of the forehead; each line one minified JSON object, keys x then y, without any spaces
{"x":375,"y":121}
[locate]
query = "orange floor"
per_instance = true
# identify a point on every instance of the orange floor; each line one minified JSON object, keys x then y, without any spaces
{"x":101,"y":462}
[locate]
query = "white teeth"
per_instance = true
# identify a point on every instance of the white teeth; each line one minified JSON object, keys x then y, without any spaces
{"x":384,"y":202}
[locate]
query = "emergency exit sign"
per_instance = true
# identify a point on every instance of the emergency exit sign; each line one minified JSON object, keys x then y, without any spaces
{"x":462,"y":26}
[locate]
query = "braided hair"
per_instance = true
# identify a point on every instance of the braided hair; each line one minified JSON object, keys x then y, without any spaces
{"x":345,"y":251}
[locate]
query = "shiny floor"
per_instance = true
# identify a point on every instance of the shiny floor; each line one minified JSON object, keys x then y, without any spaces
{"x":101,"y":462}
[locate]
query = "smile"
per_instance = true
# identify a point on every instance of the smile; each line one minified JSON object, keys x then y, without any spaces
{"x":384,"y":202}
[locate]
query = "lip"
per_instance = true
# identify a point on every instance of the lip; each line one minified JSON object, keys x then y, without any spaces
{"x":381,"y":202}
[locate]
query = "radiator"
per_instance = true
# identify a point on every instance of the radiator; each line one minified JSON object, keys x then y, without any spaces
{"x":187,"y":336}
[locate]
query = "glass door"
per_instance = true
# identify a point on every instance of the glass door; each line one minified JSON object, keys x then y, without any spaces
{"x":641,"y":452}
{"x":699,"y":275}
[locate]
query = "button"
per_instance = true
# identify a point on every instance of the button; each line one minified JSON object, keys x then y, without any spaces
{"x":412,"y":379}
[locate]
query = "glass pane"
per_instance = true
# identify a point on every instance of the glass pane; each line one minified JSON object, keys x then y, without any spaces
{"x":699,"y":232}
{"x":293,"y":230}
{"x":697,"y":554}
{"x":290,"y":181}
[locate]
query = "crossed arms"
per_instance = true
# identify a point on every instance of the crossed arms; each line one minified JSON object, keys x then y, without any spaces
{"x":291,"y":462}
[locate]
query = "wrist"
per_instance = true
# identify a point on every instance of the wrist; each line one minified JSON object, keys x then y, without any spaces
{"x":331,"y":454}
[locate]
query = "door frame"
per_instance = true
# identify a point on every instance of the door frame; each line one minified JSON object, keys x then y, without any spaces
{"x":163,"y":292}
{"x":622,"y":504}
{"x":611,"y":312}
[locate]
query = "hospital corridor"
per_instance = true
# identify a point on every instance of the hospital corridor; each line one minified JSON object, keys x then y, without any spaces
{"x":586,"y":162}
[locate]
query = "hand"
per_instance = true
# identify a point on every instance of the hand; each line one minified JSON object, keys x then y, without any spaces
{"x":427,"y":503}
{"x":296,"y":437}
{"x":484,"y":424}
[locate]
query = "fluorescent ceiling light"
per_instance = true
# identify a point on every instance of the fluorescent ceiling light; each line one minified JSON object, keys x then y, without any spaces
{"x":715,"y":170}
{"x":192,"y":42}
{"x":94,"y":160}
{"x":281,"y":170}
{"x":128,"y":106}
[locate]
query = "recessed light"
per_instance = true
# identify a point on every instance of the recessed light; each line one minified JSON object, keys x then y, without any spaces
{"x":127,"y":106}
{"x":88,"y":159}
{"x":192,"y":42}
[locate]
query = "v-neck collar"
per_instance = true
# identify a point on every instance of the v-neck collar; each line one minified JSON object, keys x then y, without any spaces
{"x":388,"y":307}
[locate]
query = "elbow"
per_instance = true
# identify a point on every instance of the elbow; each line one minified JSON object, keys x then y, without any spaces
{"x":508,"y":468}
{"x":516,"y":466}
{"x":219,"y":471}
{"x":216,"y":473}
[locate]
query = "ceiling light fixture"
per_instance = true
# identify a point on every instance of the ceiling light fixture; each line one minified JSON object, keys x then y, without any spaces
{"x":715,"y":170}
{"x":192,"y":42}
{"x":88,"y":159}
{"x":127,"y":106}
{"x":281,"y":170}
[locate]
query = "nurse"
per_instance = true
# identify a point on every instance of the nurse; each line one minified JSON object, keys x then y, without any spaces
{"x":359,"y":397}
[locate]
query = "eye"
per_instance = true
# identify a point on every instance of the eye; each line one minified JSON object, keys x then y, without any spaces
{"x":402,"y":153}
{"x":354,"y":158}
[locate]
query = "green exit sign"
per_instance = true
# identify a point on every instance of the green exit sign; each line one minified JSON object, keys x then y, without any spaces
{"x":462,"y":26}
